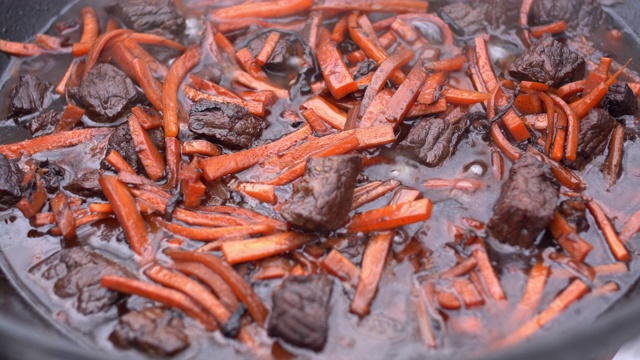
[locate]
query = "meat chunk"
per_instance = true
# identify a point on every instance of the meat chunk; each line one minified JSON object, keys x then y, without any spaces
{"x":526,"y":204}
{"x":324,"y":194}
{"x":548,"y":61}
{"x":574,"y":211}
{"x":159,"y":17}
{"x":121,"y":141}
{"x":301,"y":311}
{"x":106,"y":93}
{"x":28,"y":96}
{"x":228,"y":124}
{"x":499,"y":13}
{"x":464,"y":19}
{"x":77,"y":273}
{"x":432,"y":140}
{"x":85,"y":184}
{"x":52,"y":175}
{"x":620,"y":100}
{"x":44,"y":124}
{"x":155,"y":330}
{"x":595,"y":130}
{"x":581,"y":15}
{"x":10,"y":178}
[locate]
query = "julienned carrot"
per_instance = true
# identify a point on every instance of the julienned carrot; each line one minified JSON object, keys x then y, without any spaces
{"x":265,"y":9}
{"x":219,"y":287}
{"x":616,"y":246}
{"x":148,"y":117}
{"x":398,"y":59}
{"x":226,"y":46}
{"x":191,"y":288}
{"x":419,"y":110}
{"x":339,"y":266}
{"x":49,"y":43}
{"x":118,"y":162}
{"x":391,"y":217}
{"x":30,"y":208}
{"x":373,"y":262}
{"x":426,"y":315}
{"x":461,"y":269}
{"x":430,"y":88}
{"x":512,"y":152}
{"x":631,"y":227}
{"x":168,"y":297}
{"x":245,"y":58}
{"x":262,"y":192}
{"x":151,"y":87}
{"x":90,"y":32}
{"x":445,"y":30}
{"x":249,"y":81}
{"x":158,"y":69}
{"x":52,"y":142}
{"x":464,"y":97}
{"x":254,"y":107}
{"x":569,"y":239}
{"x":124,"y":207}
{"x":565,"y":177}
{"x":487,"y":274}
{"x":255,"y":249}
{"x":334,"y":71}
{"x":20,"y":49}
{"x":175,"y":76}
{"x":372,"y":193}
{"x":534,"y":85}
{"x":573,"y":130}
{"x":613,"y":268}
{"x":275,"y":267}
{"x":592,"y":99}
{"x":218,"y":166}
{"x":207,"y":219}
{"x":378,"y":103}
{"x":468,"y":293}
{"x":99,"y":44}
{"x":211,"y":234}
{"x":101,"y":208}
{"x":551,"y":126}
{"x":63,"y":215}
{"x":571,"y":89}
{"x":316,"y":122}
{"x":200,"y":147}
{"x":396,"y":6}
{"x":240,"y":287}
{"x":598,"y":75}
{"x":122,"y":58}
{"x":447,"y":299}
{"x":70,"y":118}
{"x":191,"y":187}
{"x":404,"y":30}
{"x":553,"y":28}
{"x":43,"y":219}
{"x":209,"y":86}
{"x":339,"y":30}
{"x":635,"y":87}
{"x":571,"y":294}
{"x":614,"y":158}
{"x":528,"y":104}
{"x":252,"y":216}
{"x":327,"y":111}
{"x":313,"y":29}
{"x":152,"y":39}
{"x":61,"y":88}
{"x":150,"y":157}
{"x":534,"y":289}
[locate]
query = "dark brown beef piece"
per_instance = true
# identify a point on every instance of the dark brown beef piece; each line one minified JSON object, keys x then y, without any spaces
{"x":301,"y":311}
{"x":227,"y":124}
{"x":499,"y":13}
{"x":595,"y":130}
{"x":44,"y":124}
{"x":106,"y":93}
{"x":526,"y":204}
{"x":85,"y":184}
{"x":574,"y":211}
{"x":122,"y":141}
{"x":581,"y":15}
{"x":155,"y":330}
{"x":10,"y":178}
{"x":620,"y":100}
{"x":159,"y":17}
{"x":324,"y":194}
{"x":466,"y":19}
{"x":548,"y":61}
{"x":28,"y":96}
{"x":53,"y":175}
{"x":432,"y":140}
{"x":77,"y":272}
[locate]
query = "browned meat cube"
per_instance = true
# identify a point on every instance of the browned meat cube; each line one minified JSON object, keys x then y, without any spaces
{"x":432,"y":140}
{"x":159,"y":17}
{"x":574,"y":211}
{"x":121,"y":141}
{"x":465,"y":19}
{"x":44,"y":124}
{"x":28,"y":96}
{"x":595,"y":130}
{"x":10,"y":178}
{"x":620,"y":100}
{"x":324,"y":194}
{"x":86,"y":184}
{"x":581,"y":15}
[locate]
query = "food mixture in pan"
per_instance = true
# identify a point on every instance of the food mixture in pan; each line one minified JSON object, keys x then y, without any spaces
{"x":321,"y":179}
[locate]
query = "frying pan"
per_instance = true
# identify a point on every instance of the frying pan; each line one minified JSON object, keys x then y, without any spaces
{"x":24,"y":334}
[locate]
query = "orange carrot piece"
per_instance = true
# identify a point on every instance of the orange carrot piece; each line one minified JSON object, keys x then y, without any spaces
{"x":512,"y":152}
{"x":573,"y":131}
{"x":150,"y":157}
{"x":70,"y":118}
{"x":226,"y":46}
{"x":564,"y":176}
{"x":339,"y":30}
{"x":20,"y":49}
{"x":48,"y":42}
{"x":598,"y":75}
{"x":613,"y":268}
{"x":191,"y":188}
{"x":631,"y":227}
{"x":262,"y":192}
{"x":551,"y":113}
{"x":592,"y":99}
{"x":101,"y":208}
{"x":213,"y":234}
{"x":447,"y":300}
{"x":175,"y":76}
{"x":218,"y":166}
{"x":212,"y":280}
{"x":316,"y":122}
{"x":534,"y":85}
{"x":558,"y":148}
{"x":571,"y":89}
{"x":534,"y":289}
{"x":249,"y":81}
{"x":468,"y":293}
{"x":245,"y":58}
{"x":363,"y":197}
{"x":43,"y":219}
{"x":553,"y":28}
{"x":124,"y":207}
{"x":576,"y":290}
{"x":61,"y":88}
{"x":273,"y":268}
{"x":63,"y":215}
{"x":267,"y":97}
{"x":200,"y":147}
{"x":207,"y":219}
{"x":252,"y":216}
{"x":430,"y":88}
{"x":152,"y":39}
{"x":240,"y":287}
{"x":390,"y":217}
{"x":616,"y":152}
{"x":267,"y":48}
{"x":90,"y":32}
{"x":419,"y":110}
{"x":419,"y":16}
{"x":30,"y":208}
{"x":93,"y":55}
{"x":148,"y":117}
{"x":378,"y":103}
{"x":209,"y":86}
{"x":528,"y":104}
{"x":339,"y":266}
{"x":487,"y":274}
{"x":356,"y":57}
{"x":265,"y":9}
{"x":327,"y":111}
{"x":635,"y":87}
{"x":254,"y":107}
{"x":52,"y":142}
{"x":404,"y":30}
{"x":396,"y":6}
{"x":168,"y":297}
{"x":255,"y":249}
{"x":151,"y":87}
{"x":119,"y":163}
{"x":616,"y":246}
{"x":460,"y":269}
{"x":569,"y":239}
{"x":373,"y":262}
{"x":334,"y":71}
{"x":138,"y":52}
{"x":464,"y":97}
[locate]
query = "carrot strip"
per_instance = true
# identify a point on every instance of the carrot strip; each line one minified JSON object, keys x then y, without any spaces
{"x":460,"y":269}
{"x":447,"y":300}
{"x":30,"y":208}
{"x":430,"y":88}
{"x":213,"y":234}
{"x":262,"y":192}
{"x":124,"y":207}
{"x":398,"y":59}
{"x":468,"y":293}
{"x":254,"y":107}
{"x":119,"y":163}
{"x":571,"y":294}
{"x":534,"y":289}
{"x":592,"y":99}
{"x":209,"y":86}
{"x":564,"y":176}
{"x":20,"y":49}
{"x":534,"y":85}
{"x":148,"y":118}
{"x":267,"y":97}
{"x":226,"y":46}
{"x":63,"y":215}
{"x":267,"y":49}
{"x":334,"y":71}
{"x":52,"y":142}
{"x":370,"y":194}
{"x":101,"y":208}
{"x":553,"y":28}
{"x":339,"y":266}
{"x":252,"y":216}
{"x":445,"y":30}
{"x":70,"y":118}
{"x":139,"y":52}
{"x":151,"y":87}
{"x":191,"y":188}
{"x":598,"y":75}
{"x":249,"y":81}
{"x":390,"y":217}
{"x":265,"y":9}
{"x":631,"y":227}
{"x":557,"y":150}
{"x":93,"y":55}
{"x":255,"y":249}
{"x":339,"y":30}
{"x":614,"y":160}
{"x":175,"y":76}
{"x":240,"y":287}
{"x":573,"y":131}
{"x":464,"y":97}
{"x":168,"y":297}
{"x":635,"y":87}
{"x":49,"y":43}
{"x":512,"y":152}
{"x":61,"y":88}
{"x":373,"y":262}
{"x":207,"y":219}
{"x":316,"y":122}
{"x":273,"y":268}
{"x":200,"y":147}
{"x":378,"y":103}
{"x":610,"y":269}
{"x":571,"y":89}
{"x":548,"y":103}
{"x":212,"y":280}
{"x":528,"y":104}
{"x":218,"y":166}
{"x":487,"y":274}
{"x":90,"y":32}
{"x":327,"y":111}
{"x":396,"y":6}
{"x":43,"y":219}
{"x":148,"y":153}
{"x":191,"y":288}
{"x":419,"y":110}
{"x":404,"y":30}
{"x":246,"y":60}
{"x":616,"y":246}
{"x":568,"y":238}
{"x":152,"y":39}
